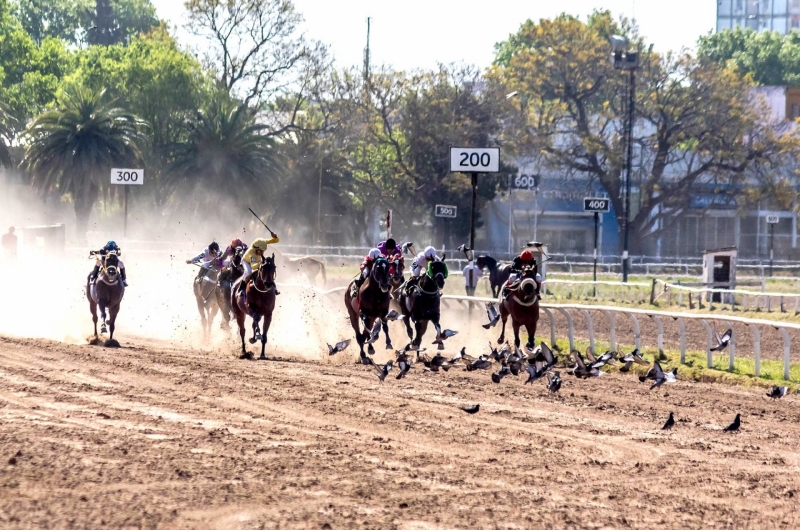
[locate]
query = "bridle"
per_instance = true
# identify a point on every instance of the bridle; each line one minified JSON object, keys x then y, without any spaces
{"x":383,"y":264}
{"x":527,"y":281}
{"x":106,"y":269}
{"x":270,"y":285}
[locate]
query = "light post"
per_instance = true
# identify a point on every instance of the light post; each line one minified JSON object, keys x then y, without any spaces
{"x":626,"y":60}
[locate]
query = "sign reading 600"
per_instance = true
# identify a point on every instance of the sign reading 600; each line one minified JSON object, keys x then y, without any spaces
{"x":126,"y":176}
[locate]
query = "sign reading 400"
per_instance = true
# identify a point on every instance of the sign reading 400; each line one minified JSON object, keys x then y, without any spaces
{"x":127,"y":176}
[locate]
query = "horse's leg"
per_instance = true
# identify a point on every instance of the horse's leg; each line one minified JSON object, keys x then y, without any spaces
{"x":385,"y":326}
{"x":103,"y":328}
{"x":256,"y":328}
{"x":516,"y":326}
{"x":532,"y":333}
{"x":267,"y":322}
{"x":409,"y":331}
{"x":240,"y":319}
{"x":198,"y":297}
{"x":93,"y":310}
{"x":112,"y":319}
{"x":502,"y":338}
{"x":368,"y":323}
{"x":438,"y":329}
{"x":421,"y":327}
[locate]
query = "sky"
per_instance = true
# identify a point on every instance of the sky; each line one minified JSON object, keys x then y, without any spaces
{"x":411,"y":34}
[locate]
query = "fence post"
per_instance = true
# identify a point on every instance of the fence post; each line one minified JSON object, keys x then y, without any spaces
{"x":653,"y":292}
{"x":637,"y":336}
{"x":682,"y":328}
{"x":787,"y":345}
{"x":756,"y":347}
{"x":568,"y":315}
{"x":731,"y":350}
{"x":709,"y":356}
{"x":590,"y":324}
{"x":612,"y":324}
{"x":552,"y":327}
{"x":660,"y":339}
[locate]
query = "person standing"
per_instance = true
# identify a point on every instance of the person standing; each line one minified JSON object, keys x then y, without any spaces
{"x":476,"y":275}
{"x":10,"y":244}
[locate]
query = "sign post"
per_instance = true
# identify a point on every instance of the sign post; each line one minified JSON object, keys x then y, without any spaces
{"x":598,"y":206}
{"x":474,"y":161}
{"x":127,"y":177}
{"x":388,"y":224}
{"x":772,"y":220}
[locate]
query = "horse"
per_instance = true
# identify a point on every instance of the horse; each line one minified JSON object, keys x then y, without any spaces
{"x":227,"y":277}
{"x":522,"y":303}
{"x":256,"y":299}
{"x":308,"y":266}
{"x":204,"y":289}
{"x":107,"y":292}
{"x":369,"y":303}
{"x":498,"y":272}
{"x":421,"y":303}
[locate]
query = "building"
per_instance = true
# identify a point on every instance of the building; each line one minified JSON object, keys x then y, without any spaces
{"x":782,"y":16}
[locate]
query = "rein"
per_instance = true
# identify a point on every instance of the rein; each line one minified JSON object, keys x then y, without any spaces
{"x":269,"y":285}
{"x":429,"y":293}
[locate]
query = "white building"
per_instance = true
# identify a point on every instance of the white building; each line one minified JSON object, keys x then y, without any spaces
{"x":782,"y":16}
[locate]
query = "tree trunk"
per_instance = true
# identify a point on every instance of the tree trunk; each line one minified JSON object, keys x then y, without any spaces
{"x":83,"y":203}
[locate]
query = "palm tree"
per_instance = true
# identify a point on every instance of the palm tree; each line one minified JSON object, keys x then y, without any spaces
{"x":227,"y":154}
{"x":7,"y":123}
{"x":73,"y":147}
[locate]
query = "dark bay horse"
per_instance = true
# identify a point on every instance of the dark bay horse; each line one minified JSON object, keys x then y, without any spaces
{"x":522,"y":303}
{"x":204,"y":294}
{"x":106,"y":292}
{"x":225,"y":282}
{"x":256,"y":299}
{"x":498,"y":272}
{"x":421,"y":303}
{"x":370,"y":303}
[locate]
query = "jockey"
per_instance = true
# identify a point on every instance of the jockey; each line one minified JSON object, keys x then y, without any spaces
{"x":420,"y":264}
{"x":227,"y":256}
{"x":389,"y":249}
{"x":252,"y":258}
{"x":524,"y":260}
{"x":366,"y":265}
{"x":208,"y":259}
{"x":111,"y":246}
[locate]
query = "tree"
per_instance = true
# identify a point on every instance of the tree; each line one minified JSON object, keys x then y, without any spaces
{"x":115,"y":21}
{"x":67,"y":20}
{"x":6,"y":135}
{"x":769,"y":57}
{"x":72,"y":148}
{"x":696,"y":121}
{"x":227,"y":155}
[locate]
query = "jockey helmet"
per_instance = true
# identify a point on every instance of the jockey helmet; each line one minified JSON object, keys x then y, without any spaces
{"x":112,"y":245}
{"x":430,"y":253}
{"x":236,"y":243}
{"x":213,"y":247}
{"x":391,"y":244}
{"x":526,"y":255}
{"x":374,"y":254}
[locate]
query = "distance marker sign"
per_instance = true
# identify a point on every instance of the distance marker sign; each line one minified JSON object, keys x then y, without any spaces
{"x":596,"y":204}
{"x":445,"y":210}
{"x":475,"y":160}
{"x":127,"y":177}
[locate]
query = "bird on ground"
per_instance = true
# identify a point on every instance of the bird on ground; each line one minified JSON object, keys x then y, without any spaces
{"x":723,"y":341}
{"x":660,"y":376}
{"x":481,"y":363}
{"x":580,"y":369}
{"x":534,"y":373}
{"x":403,"y":363}
{"x":457,"y":358}
{"x":434,"y":364}
{"x":669,"y":423}
{"x":340,"y":346}
{"x":778,"y":392}
{"x":632,"y":357}
{"x":733,"y":427}
{"x":590,"y":355}
{"x":471,"y":410}
{"x":493,"y":314}
{"x":504,"y":371}
{"x":608,"y":357}
{"x":553,"y":381}
{"x":383,"y":371}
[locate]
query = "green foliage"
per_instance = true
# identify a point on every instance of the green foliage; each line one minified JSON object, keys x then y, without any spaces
{"x":769,"y":57}
{"x":66,"y":20}
{"x":72,"y":147}
{"x":7,"y":123}
{"x":116,"y":21}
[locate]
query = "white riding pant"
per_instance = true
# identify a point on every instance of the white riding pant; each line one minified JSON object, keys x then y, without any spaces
{"x":248,"y":270}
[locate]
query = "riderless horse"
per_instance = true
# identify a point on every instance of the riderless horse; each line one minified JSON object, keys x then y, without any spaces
{"x":421,"y":304}
{"x":107,"y":292}
{"x":204,"y":289}
{"x":522,"y":303}
{"x":368,"y":304}
{"x":227,"y":277}
{"x":498,"y":272}
{"x":256,"y":299}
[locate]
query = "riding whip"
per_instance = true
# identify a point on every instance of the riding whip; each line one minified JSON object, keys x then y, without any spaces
{"x":260,"y":221}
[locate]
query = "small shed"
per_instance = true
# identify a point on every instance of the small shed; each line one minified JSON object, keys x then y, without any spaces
{"x":51,"y":238}
{"x":719,"y":272}
{"x":539,"y":252}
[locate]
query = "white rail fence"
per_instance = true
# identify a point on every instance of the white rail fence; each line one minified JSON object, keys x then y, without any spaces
{"x":613,"y":313}
{"x":745,"y":299}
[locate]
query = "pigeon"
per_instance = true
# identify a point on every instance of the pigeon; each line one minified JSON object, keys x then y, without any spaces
{"x":493,"y":314}
{"x":669,"y":423}
{"x":481,"y":363}
{"x":383,"y":371}
{"x":723,"y":341}
{"x":608,"y":357}
{"x":340,"y":346}
{"x":542,"y":354}
{"x":661,"y":376}
{"x":632,"y":357}
{"x":778,"y":392}
{"x":403,"y":363}
{"x":553,"y":381}
{"x":446,"y":334}
{"x":471,"y":410}
{"x":590,"y":355}
{"x":533,"y":373}
{"x":733,"y":427}
{"x":580,"y":369}
{"x":433,"y":365}
{"x":408,"y":248}
{"x":376,"y":330}
{"x":393,"y":315}
{"x":458,"y":357}
{"x":504,"y":371}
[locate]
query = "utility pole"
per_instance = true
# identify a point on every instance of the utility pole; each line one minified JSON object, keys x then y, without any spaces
{"x":367,"y":56}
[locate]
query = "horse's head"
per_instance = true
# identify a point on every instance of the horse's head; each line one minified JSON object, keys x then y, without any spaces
{"x":528,"y":284}
{"x":236,"y":260}
{"x":381,"y":274}
{"x":267,"y":270}
{"x":481,"y":262}
{"x":111,"y":265}
{"x":396,"y":268}
{"x":438,"y":271}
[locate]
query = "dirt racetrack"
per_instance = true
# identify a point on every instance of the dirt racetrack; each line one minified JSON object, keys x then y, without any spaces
{"x":161,"y":436}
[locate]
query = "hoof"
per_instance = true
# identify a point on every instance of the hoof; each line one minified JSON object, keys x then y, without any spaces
{"x":440,"y":346}
{"x":501,"y":340}
{"x":111,"y":343}
{"x":246,"y":356}
{"x":389,"y":346}
{"x":103,"y":330}
{"x":366,"y":360}
{"x":95,"y":342}
{"x":262,"y":358}
{"x":371,"y":350}
{"x":252,"y":341}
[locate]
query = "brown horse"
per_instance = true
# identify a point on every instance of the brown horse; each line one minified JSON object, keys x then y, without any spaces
{"x":256,"y":299}
{"x":204,"y":295}
{"x":368,"y":304}
{"x":106,"y":292}
{"x":522,"y":303}
{"x":308,"y":266}
{"x":225,"y":282}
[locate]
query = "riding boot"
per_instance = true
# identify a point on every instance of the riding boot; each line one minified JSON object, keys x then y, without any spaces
{"x":95,"y":272}
{"x":123,"y":277}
